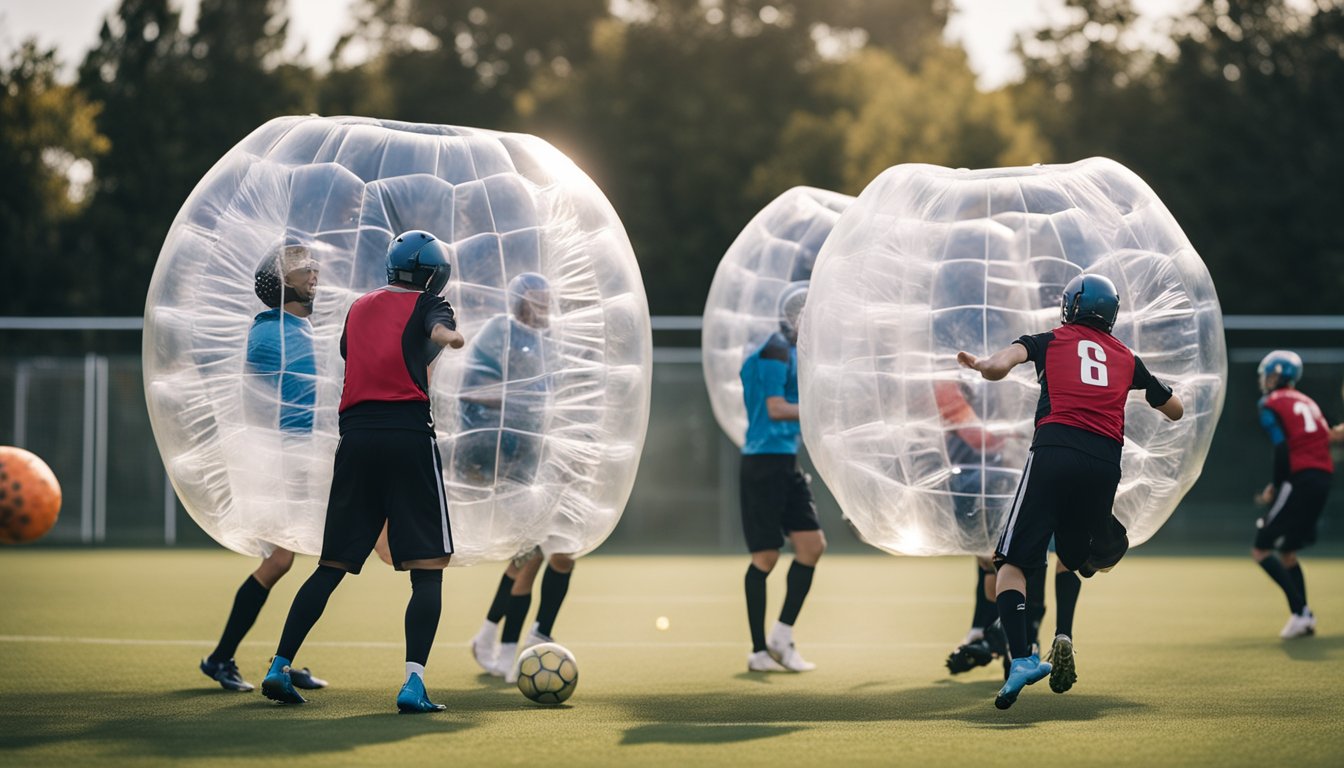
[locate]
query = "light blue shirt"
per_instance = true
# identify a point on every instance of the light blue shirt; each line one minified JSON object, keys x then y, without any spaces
{"x":280,"y":349}
{"x":771,"y":370}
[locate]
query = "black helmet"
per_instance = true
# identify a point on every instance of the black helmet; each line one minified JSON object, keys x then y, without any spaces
{"x":418,"y":258}
{"x":269,"y":279}
{"x":1090,"y":300}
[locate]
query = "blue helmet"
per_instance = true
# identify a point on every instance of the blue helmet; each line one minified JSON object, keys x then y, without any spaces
{"x":1091,"y":300}
{"x":1287,"y":365}
{"x":419,"y":259}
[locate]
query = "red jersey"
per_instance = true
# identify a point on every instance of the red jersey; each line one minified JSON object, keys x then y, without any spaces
{"x":1303,"y":428}
{"x":1086,"y":375}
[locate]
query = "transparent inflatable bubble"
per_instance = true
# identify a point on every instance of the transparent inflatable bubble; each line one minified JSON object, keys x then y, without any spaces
{"x":924,"y":457}
{"x":772,"y":257}
{"x":540,"y":418}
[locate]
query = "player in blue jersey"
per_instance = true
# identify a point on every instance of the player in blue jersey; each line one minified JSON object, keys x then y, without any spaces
{"x":282,"y":373}
{"x":776,"y":498}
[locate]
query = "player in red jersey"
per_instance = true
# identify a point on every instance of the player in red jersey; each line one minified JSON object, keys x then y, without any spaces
{"x":387,"y":468}
{"x":1068,"y":486}
{"x":1301,"y":484}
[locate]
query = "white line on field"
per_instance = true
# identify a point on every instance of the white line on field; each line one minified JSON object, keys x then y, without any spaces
{"x":382,"y":644}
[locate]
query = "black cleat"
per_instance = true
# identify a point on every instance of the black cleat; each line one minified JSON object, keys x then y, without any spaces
{"x":969,"y":656}
{"x":226,"y":674}
{"x":303,"y":678}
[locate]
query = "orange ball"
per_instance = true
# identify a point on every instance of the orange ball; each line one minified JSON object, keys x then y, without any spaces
{"x":30,"y":496}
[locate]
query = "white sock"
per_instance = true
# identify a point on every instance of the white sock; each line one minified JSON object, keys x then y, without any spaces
{"x":414,"y":669}
{"x":782,"y":631}
{"x":488,"y":630}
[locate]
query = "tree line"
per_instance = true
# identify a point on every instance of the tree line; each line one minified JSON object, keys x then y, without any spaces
{"x":691,"y":115}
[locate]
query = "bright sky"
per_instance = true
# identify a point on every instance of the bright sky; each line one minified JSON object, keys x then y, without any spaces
{"x":986,"y":27}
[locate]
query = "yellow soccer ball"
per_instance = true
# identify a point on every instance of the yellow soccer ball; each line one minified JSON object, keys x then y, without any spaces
{"x":547,"y":673}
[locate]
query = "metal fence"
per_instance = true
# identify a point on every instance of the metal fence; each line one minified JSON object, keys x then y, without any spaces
{"x":85,"y":415}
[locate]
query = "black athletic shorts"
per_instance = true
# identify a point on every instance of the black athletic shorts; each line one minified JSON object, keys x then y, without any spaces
{"x":1290,"y":524}
{"x":1063,"y":493}
{"x":776,"y":500}
{"x":393,"y":475}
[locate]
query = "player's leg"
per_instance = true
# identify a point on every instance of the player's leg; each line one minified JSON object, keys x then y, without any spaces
{"x":485,"y":645}
{"x":1275,"y":528}
{"x":762,"y":498}
{"x":1035,"y":605}
{"x":1063,"y":672}
{"x":554,"y":588}
{"x":419,"y":536}
{"x":515,"y":613}
{"x":1294,"y":568}
{"x":977,"y":650}
{"x":354,"y":519}
{"x":251,"y":596}
{"x":809,"y":543}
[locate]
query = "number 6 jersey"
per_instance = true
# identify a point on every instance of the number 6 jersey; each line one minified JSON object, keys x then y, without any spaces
{"x":1086,"y":375}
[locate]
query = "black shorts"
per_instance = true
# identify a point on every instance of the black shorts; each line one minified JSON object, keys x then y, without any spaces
{"x":1290,"y":524}
{"x":1063,"y":493}
{"x":775,"y":499}
{"x":392,"y":475}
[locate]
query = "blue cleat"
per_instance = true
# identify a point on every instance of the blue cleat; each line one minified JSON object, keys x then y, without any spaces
{"x":278,"y":686}
{"x":226,"y":674}
{"x":304,"y":678}
{"x":414,"y":700}
{"x":1023,"y":672}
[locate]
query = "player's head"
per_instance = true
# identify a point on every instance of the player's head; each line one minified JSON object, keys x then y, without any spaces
{"x":418,"y":259}
{"x":1280,"y":368}
{"x":530,"y":300}
{"x":1090,"y":300}
{"x":287,"y":273}
{"x":791,"y":303}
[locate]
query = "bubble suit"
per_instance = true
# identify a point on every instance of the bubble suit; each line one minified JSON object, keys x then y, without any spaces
{"x":924,"y":457}
{"x":773,"y":254}
{"x":251,"y":460}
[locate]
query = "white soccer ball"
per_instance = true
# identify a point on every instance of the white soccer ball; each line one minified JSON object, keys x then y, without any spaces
{"x":505,"y":204}
{"x":547,"y":673}
{"x":929,"y":261}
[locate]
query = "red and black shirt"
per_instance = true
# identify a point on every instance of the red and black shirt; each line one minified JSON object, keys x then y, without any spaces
{"x":1299,"y":432}
{"x":387,"y":349}
{"x":1086,"y":375}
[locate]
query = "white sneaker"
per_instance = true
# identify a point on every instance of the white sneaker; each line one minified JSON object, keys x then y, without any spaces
{"x":762,"y":661}
{"x":534,"y":638}
{"x":1299,"y":625}
{"x":504,"y":661}
{"x":780,"y":645}
{"x":485,"y":647}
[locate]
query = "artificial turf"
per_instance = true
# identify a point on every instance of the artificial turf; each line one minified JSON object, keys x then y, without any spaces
{"x":1179,"y":663}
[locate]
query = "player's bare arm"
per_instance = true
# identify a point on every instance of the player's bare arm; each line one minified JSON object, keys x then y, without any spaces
{"x":997,"y":365}
{"x":445,"y":337}
{"x":780,"y":409}
{"x":1173,"y":409}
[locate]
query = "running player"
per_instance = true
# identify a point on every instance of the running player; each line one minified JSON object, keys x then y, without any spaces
{"x":387,"y":467}
{"x":1301,"y":483}
{"x":1069,"y":482}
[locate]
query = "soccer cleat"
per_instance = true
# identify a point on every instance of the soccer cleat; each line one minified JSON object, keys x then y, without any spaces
{"x":277,"y":685}
{"x":1299,"y":625}
{"x":226,"y":674}
{"x":968,"y":656}
{"x":1025,"y":671}
{"x":304,"y":678}
{"x":779,"y":644}
{"x":1063,"y":674}
{"x":504,"y":660}
{"x":485,"y":650}
{"x":413,"y":700}
{"x":762,"y":661}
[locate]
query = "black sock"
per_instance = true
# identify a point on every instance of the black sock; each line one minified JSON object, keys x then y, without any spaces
{"x":514,"y":617}
{"x":985,"y":610}
{"x":1035,"y":603}
{"x":422,"y":613}
{"x":1279,"y":574}
{"x":1067,"y":587}
{"x":755,"y":585}
{"x":246,"y":606}
{"x":554,"y":587}
{"x":501,"y":602}
{"x":307,"y":608}
{"x":1013,"y":616}
{"x":799,"y":581}
{"x":1299,"y":581}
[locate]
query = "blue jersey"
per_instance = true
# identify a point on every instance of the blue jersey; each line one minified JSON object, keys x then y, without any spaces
{"x":280,"y":349}
{"x":770,"y":371}
{"x":507,"y":379}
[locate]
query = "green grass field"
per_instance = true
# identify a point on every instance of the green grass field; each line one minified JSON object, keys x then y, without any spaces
{"x":1179,"y":664}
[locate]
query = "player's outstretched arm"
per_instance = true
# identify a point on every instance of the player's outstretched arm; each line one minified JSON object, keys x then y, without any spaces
{"x":997,"y":365}
{"x":447,"y":338}
{"x":1337,"y":433}
{"x":780,"y":409}
{"x":1173,"y":409}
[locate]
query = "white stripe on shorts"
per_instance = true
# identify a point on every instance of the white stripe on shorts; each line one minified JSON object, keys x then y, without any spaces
{"x":1007,"y":536}
{"x":1285,"y":491}
{"x":443,"y":504}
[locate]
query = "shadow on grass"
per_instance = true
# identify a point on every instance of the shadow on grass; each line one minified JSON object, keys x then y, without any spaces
{"x":728,"y":716}
{"x":1314,"y":648}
